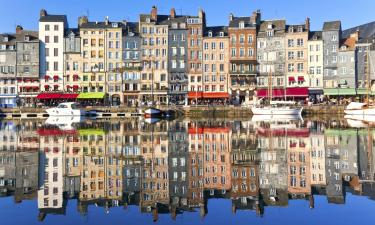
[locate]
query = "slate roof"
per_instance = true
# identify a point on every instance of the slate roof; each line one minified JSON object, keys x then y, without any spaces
{"x":33,"y":36}
{"x":159,"y":18}
{"x":100,"y":25}
{"x":315,"y":35}
{"x":53,"y":18}
{"x":236,"y":21}
{"x":277,"y":25}
{"x":132,"y":27}
{"x":11,"y":39}
{"x":70,"y":30}
{"x":216,"y":31}
{"x":332,"y":25}
{"x":365,"y":30}
{"x":295,"y":27}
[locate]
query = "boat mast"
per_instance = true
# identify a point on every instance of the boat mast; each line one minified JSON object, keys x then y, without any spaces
{"x":270,"y":86}
{"x":368,"y":78}
{"x":152,"y":82}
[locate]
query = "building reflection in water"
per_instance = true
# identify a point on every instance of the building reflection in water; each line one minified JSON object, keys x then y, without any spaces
{"x":174,"y":166}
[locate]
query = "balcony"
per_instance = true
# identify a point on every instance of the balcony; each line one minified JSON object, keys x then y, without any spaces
{"x":252,"y":72}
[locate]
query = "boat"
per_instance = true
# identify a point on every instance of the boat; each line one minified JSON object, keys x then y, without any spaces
{"x":64,"y":122}
{"x":275,"y":107}
{"x":276,"y":118}
{"x":153,"y":113}
{"x":66,"y":109}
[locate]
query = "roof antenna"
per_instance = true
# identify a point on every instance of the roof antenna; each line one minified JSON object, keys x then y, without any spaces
{"x":87,"y":13}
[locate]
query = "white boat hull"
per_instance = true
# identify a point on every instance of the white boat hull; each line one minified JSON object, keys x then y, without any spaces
{"x":276,"y":111}
{"x":152,"y":112}
{"x":65,"y":112}
{"x":370,"y":111}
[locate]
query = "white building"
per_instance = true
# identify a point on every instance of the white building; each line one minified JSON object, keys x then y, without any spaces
{"x":315,"y":63}
{"x":51,"y":36}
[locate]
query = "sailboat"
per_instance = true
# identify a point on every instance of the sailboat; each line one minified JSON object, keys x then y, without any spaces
{"x":275,"y":109}
{"x":362,"y":110}
{"x":151,"y":111}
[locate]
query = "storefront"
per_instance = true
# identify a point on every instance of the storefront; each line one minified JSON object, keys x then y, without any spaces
{"x":295,"y":93}
{"x":8,"y":101}
{"x":205,"y":98}
{"x":53,"y":99}
{"x":92,"y":99}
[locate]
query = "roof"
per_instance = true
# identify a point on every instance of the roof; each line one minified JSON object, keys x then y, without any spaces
{"x":101,"y":25}
{"x":53,"y":18}
{"x":315,"y":35}
{"x":236,"y":21}
{"x":295,"y":27}
{"x":332,"y":25}
{"x":365,"y":31}
{"x":216,"y":30}
{"x":349,"y":43}
{"x":159,"y":18}
{"x":10,"y":41}
{"x":20,"y":37}
{"x":132,"y":27}
{"x":70,"y":30}
{"x":277,"y":25}
{"x":177,"y":19}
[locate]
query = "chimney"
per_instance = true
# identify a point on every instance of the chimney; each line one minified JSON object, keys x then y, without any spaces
{"x":19,"y":29}
{"x":173,"y":13}
{"x":231,"y":17}
{"x":82,"y":20}
{"x":106,"y":20}
{"x":307,"y":23}
{"x":154,"y":13}
{"x":201,"y":14}
{"x":43,"y":13}
{"x":255,"y":17}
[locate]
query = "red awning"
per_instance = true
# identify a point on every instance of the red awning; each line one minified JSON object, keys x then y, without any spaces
{"x":195,"y":94}
{"x":75,"y":86}
{"x":48,"y":96}
{"x":69,"y":96}
{"x":298,"y":132}
{"x":215,"y":95}
{"x":297,"y":92}
{"x":301,"y":78}
{"x":291,"y":79}
{"x":275,"y":93}
{"x":55,"y":132}
{"x":204,"y":130}
{"x":68,"y":86}
{"x":55,"y":77}
{"x":46,"y":77}
{"x":75,"y":75}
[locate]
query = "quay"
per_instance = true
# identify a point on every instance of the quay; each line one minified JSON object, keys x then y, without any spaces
{"x":186,"y":111}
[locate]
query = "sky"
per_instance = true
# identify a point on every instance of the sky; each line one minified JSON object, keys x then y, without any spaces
{"x":26,"y":12}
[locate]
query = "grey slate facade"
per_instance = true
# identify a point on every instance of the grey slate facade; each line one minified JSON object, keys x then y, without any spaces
{"x":177,"y":54}
{"x":346,"y":67}
{"x":331,"y":40}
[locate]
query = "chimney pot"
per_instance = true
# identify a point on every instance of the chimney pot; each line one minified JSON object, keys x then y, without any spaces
{"x":173,"y":13}
{"x":19,"y":29}
{"x":154,"y":13}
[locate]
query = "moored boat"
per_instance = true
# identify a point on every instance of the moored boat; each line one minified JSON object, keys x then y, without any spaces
{"x":152,"y":113}
{"x":66,"y":109}
{"x":359,"y":108}
{"x":276,"y":110}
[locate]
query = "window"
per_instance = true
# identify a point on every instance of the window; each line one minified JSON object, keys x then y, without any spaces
{"x":242,"y":38}
{"x":290,"y":43}
{"x":174,"y":64}
{"x":241,"y":24}
{"x":55,"y":66}
{"x":250,"y":39}
{"x":46,"y":27}
{"x":312,"y":70}
{"x":46,"y":39}
{"x":182,"y":64}
{"x":55,"y":52}
{"x":299,"y":42}
{"x":56,"y":27}
{"x":290,"y":67}
{"x":55,"y":39}
{"x":290,"y":55}
{"x":233,"y":52}
{"x":270,"y":33}
{"x":334,"y":38}
{"x":300,"y":67}
{"x":221,"y":45}
{"x":250,"y":52}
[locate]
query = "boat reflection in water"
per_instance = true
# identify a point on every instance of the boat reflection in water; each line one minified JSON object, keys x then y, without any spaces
{"x":175,"y":167}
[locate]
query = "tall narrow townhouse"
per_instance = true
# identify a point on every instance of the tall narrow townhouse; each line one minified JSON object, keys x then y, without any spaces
{"x":93,"y":48}
{"x":154,"y":80}
{"x":271,"y":59}
{"x":51,"y":35}
{"x":296,"y":38}
{"x":331,"y":41}
{"x":196,"y":26}
{"x":132,"y":65}
{"x":113,"y":54}
{"x":243,"y":56}
{"x":177,"y":58}
{"x":8,"y":82}
{"x":27,"y":45}
{"x":315,"y":65}
{"x":216,"y":65}
{"x":73,"y":61}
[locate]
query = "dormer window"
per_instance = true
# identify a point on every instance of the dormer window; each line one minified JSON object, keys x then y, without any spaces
{"x":291,"y":29}
{"x":182,"y":25}
{"x":148,"y":20}
{"x":343,"y":48}
{"x":27,"y":38}
{"x":241,"y":24}
{"x":210,"y":33}
{"x":300,"y":29}
{"x":131,"y":34}
{"x":221,"y":34}
{"x":174,"y":25}
{"x":269,"y":26}
{"x":6,"y":39}
{"x":270,"y":33}
{"x":115,"y":25}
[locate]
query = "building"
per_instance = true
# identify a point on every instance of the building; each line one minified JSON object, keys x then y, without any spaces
{"x":8,"y":82}
{"x":154,"y":34}
{"x":242,"y":32}
{"x":315,"y":64}
{"x":177,"y":58}
{"x":196,"y":26}
{"x":271,"y":59}
{"x":51,"y":35}
{"x":296,"y":68}
{"x":216,"y":65}
{"x":73,"y":61}
{"x":132,"y":65}
{"x":331,"y":36}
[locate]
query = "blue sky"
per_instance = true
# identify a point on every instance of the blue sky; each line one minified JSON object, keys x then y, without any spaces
{"x":351,"y":13}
